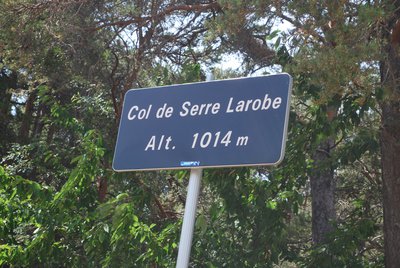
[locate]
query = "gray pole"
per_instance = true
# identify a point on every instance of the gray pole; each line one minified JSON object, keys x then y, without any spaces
{"x":189,"y":218}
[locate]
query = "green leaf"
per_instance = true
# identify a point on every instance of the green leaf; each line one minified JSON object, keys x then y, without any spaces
{"x":201,"y":223}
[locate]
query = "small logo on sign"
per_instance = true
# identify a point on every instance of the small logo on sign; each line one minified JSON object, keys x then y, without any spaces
{"x":190,"y":163}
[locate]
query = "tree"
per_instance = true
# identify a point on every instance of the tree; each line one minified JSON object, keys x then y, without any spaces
{"x":68,"y":56}
{"x":335,"y":47}
{"x":377,"y":35}
{"x":390,"y":127}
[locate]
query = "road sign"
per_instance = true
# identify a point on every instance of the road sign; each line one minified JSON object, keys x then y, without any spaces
{"x":236,"y":122}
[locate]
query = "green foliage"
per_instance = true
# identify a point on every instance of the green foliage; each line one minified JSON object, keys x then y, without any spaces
{"x":70,"y":225}
{"x":251,"y":212}
{"x":345,"y":245}
{"x":22,"y":202}
{"x":119,"y":238}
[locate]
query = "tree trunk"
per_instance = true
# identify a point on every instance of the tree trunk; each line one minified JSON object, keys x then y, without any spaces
{"x":7,"y":81}
{"x":102,"y":186}
{"x":322,"y":192}
{"x":5,"y":99}
{"x":27,"y":118}
{"x":390,"y":141}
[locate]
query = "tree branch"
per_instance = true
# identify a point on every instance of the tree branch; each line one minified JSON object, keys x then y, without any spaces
{"x":159,"y":16}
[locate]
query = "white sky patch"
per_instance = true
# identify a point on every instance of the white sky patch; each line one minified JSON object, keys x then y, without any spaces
{"x":230,"y":61}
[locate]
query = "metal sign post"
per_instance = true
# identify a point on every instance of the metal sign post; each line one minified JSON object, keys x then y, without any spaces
{"x":189,"y":218}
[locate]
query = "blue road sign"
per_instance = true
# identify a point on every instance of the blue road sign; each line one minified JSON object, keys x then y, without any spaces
{"x":236,"y":122}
